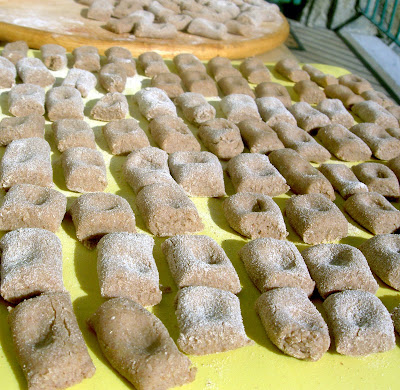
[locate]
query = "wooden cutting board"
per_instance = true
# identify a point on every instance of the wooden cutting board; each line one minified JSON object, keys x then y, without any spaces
{"x":63,"y":22}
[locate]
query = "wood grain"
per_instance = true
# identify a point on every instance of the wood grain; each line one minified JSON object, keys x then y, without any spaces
{"x":63,"y":22}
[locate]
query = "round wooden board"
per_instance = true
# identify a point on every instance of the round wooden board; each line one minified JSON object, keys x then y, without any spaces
{"x":63,"y":22}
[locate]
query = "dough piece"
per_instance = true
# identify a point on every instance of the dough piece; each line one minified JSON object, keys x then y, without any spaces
{"x":124,"y":135}
{"x":395,"y":111}
{"x":303,"y":143}
{"x":54,"y":56}
{"x":169,"y":82}
{"x":84,"y":170}
{"x":308,"y":118}
{"x":126,"y":7}
{"x":383,"y":145}
{"x":152,"y":63}
{"x":360,"y":323}
{"x":336,"y":112}
{"x":254,"y":70}
{"x":237,"y":107}
{"x":235,"y":85}
{"x":272,"y":263}
{"x":112,"y":77}
{"x":343,"y":93}
{"x":86,"y":58}
{"x":147,"y":166}
{"x":8,"y":73}
{"x":154,"y":102}
{"x":167,"y":211}
{"x":273,"y":111}
{"x":356,"y":83}
{"x":343,"y":179}
{"x":195,"y":107}
{"x":196,"y":260}
{"x":148,"y":357}
{"x":254,"y":215}
{"x":123,"y":57}
{"x":309,"y":92}
{"x":378,"y":97}
{"x":220,"y":67}
{"x":220,"y":17}
{"x":170,"y":4}
{"x":155,"y":30}
{"x":257,"y":15}
{"x":394,"y":132}
{"x":83,"y":80}
{"x":236,"y":28}
{"x":370,"y":111}
{"x":319,"y":77}
{"x":393,"y":164}
{"x":199,"y":82}
{"x":51,"y":351}
{"x":293,"y":323}
{"x":209,"y":321}
{"x":188,"y":62}
{"x":315,"y":218}
{"x":382,"y":254}
{"x":192,"y":6}
{"x":276,"y":90}
{"x":290,"y":69}
{"x":300,"y":175}
{"x":339,"y":267}
{"x":172,"y":134}
{"x":395,"y":314}
{"x":227,"y":8}
{"x":100,"y":10}
{"x":141,"y":15}
{"x":71,"y":133}
{"x":258,"y":136}
{"x":21,"y":127}
{"x":222,"y":138}
{"x":26,"y":160}
{"x":198,"y":173}
{"x":252,"y":172}
{"x":372,"y":211}
{"x":64,"y":103}
{"x":110,"y":107}
{"x":96,"y":214}
{"x":378,"y":178}
{"x":159,"y":10}
{"x":31,"y":264}
{"x":207,"y":28}
{"x":26,"y":99}
{"x":14,"y":51}
{"x":180,"y":21}
{"x":126,"y":268}
{"x":120,"y":26}
{"x":32,"y":206}
{"x":343,"y":144}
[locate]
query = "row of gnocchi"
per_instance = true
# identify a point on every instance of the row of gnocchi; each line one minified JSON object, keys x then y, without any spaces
{"x":163,"y":183}
{"x":207,"y":309}
{"x":164,"y":206}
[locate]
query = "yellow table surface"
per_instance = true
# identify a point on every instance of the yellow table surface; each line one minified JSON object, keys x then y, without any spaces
{"x":261,"y":366}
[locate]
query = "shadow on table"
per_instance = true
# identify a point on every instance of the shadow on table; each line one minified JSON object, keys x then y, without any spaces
{"x":88,"y":107}
{"x":7,"y":345}
{"x":4,"y":103}
{"x":217,"y":215}
{"x":165,"y":310}
{"x":247,"y":297}
{"x":99,"y":138}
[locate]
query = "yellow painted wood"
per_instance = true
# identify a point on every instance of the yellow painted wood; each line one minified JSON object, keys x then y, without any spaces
{"x":258,"y":367}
